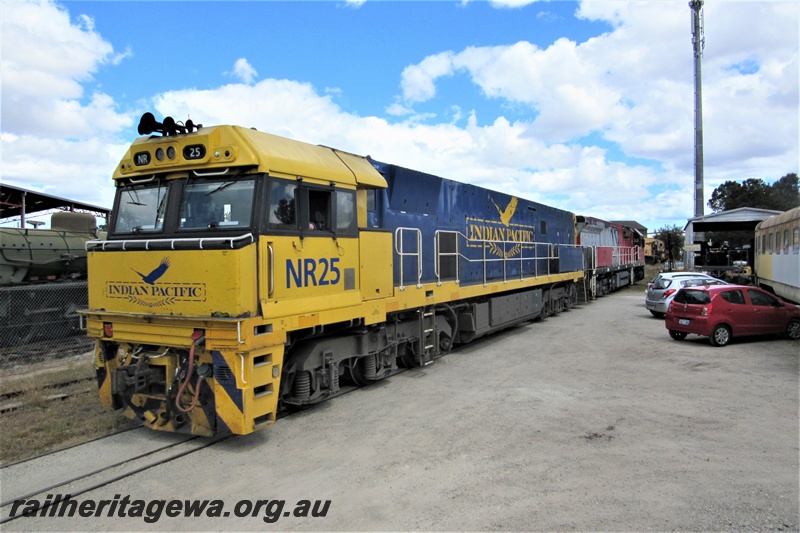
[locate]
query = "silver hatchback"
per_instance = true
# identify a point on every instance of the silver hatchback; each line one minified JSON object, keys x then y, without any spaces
{"x":662,"y":291}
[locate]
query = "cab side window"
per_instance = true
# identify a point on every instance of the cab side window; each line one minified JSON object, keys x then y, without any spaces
{"x":319,"y":210}
{"x":345,"y":211}
{"x":283,"y":205}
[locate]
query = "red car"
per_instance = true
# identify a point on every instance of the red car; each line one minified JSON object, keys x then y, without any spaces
{"x":722,"y":312}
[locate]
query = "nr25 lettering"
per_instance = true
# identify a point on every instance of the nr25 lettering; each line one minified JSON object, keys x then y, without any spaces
{"x":304,"y":272}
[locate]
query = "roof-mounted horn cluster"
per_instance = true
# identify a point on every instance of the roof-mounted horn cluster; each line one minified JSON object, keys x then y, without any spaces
{"x":148,"y":124}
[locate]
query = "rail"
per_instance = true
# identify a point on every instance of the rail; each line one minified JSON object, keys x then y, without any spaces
{"x":399,"y":250}
{"x":507,"y":252}
{"x":620,"y":256}
{"x":167,"y":244}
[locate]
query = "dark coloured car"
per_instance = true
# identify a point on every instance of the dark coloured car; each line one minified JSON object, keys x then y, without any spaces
{"x":722,"y":312}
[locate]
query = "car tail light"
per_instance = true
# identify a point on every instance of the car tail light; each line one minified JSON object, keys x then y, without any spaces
{"x":667,"y":294}
{"x":706,"y":310}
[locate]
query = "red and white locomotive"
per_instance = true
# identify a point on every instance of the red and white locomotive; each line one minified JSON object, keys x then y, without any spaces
{"x":613,"y":254}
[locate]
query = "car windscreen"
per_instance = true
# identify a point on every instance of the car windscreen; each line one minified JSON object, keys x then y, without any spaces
{"x":690,"y":296}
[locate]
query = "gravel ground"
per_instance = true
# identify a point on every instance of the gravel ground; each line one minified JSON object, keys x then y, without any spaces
{"x":592,"y":420}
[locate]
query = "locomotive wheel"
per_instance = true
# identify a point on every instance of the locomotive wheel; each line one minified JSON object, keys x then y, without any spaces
{"x":362,"y":371}
{"x":406,"y":358}
{"x":571,"y":299}
{"x":445,"y":343}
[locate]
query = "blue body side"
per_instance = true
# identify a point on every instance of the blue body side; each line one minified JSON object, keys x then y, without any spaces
{"x":516,"y":236}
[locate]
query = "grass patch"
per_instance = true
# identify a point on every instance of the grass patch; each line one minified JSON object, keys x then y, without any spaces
{"x":40,"y":425}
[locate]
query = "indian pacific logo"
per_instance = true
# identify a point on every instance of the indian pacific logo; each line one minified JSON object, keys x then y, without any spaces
{"x":501,"y":237}
{"x":157,"y":272}
{"x":149,"y":291}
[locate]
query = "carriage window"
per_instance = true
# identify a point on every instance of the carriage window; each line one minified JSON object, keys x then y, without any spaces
{"x":345,"y":210}
{"x":771,"y":242}
{"x":796,"y":238}
{"x":786,"y":240}
{"x":141,"y":208}
{"x":778,"y":241}
{"x":283,"y":205}
{"x":217,"y":204}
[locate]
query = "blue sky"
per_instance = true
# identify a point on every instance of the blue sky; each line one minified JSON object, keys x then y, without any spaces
{"x":587,"y":106}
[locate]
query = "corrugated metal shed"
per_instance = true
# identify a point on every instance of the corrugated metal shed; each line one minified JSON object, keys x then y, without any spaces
{"x":16,"y":203}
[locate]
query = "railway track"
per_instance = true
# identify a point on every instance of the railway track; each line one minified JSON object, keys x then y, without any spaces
{"x":34,"y":479}
{"x":12,"y":400}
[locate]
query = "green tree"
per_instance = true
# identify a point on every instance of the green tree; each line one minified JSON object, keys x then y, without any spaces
{"x":786,"y":193}
{"x":673,"y":239}
{"x":755,"y":192}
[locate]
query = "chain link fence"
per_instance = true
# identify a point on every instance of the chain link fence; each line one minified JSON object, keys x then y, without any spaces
{"x":39,"y":323}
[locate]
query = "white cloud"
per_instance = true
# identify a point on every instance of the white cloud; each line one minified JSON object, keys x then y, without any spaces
{"x":634,"y":86}
{"x":631,"y":86}
{"x":243,"y":70}
{"x":55,"y":135}
{"x":418,"y":80}
{"x":512,"y":3}
{"x":47,"y":60}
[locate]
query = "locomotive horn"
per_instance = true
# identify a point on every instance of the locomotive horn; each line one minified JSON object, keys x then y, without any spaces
{"x":191,"y":126}
{"x":170,"y":128}
{"x":148,"y":124}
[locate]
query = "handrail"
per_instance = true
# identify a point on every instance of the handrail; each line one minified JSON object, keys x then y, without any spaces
{"x":620,"y":255}
{"x":149,"y":242}
{"x":398,"y":248}
{"x":501,"y":247}
{"x":271,"y":266}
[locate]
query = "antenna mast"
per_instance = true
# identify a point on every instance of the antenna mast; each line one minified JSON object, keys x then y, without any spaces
{"x":698,"y":42}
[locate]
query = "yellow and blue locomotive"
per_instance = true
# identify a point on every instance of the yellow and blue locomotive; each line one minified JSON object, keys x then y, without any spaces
{"x":245,"y":273}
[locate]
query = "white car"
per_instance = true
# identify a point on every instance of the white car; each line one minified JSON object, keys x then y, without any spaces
{"x":664,"y":287}
{"x":673,"y":275}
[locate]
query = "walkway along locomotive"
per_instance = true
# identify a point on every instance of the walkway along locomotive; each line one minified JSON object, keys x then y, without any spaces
{"x":246,"y":272}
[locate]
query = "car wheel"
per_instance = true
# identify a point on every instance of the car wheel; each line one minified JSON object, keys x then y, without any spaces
{"x":657,"y":314}
{"x":793,"y":329}
{"x":721,"y":335}
{"x":677,"y":335}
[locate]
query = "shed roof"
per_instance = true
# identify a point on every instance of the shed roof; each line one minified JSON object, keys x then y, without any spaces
{"x":16,"y":202}
{"x":742,"y":218}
